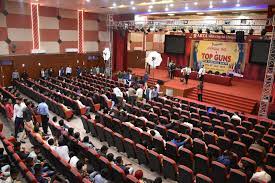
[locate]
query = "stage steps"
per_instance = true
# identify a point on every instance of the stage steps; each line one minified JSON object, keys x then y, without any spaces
{"x":228,"y":101}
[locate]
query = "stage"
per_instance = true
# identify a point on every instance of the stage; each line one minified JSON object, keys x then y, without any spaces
{"x":242,"y":95}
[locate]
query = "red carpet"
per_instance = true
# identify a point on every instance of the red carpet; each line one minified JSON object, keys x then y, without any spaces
{"x":242,"y":96}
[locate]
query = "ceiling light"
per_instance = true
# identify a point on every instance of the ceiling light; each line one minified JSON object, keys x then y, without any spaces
{"x":200,"y":13}
{"x":171,"y":5}
{"x":196,"y":3}
{"x":132,"y":2}
{"x":114,"y":4}
{"x":166,"y":9}
{"x":153,"y":1}
{"x":224,"y":1}
{"x":133,"y":8}
{"x":171,"y":14}
{"x":87,"y":1}
{"x":151,"y":6}
{"x":149,"y":10}
{"x":210,"y":4}
{"x":238,"y":5}
{"x":186,"y":8}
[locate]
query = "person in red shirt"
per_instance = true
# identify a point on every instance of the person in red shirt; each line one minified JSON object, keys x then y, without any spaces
{"x":9,"y":109}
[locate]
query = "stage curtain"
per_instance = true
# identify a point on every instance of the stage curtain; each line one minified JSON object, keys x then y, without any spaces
{"x":120,"y":50}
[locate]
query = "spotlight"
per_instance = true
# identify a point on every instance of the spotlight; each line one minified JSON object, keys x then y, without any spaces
{"x":208,"y":31}
{"x":191,"y":29}
{"x":251,"y":31}
{"x":232,"y":31}
{"x":199,"y":30}
{"x":182,"y":30}
{"x":263,"y":32}
{"x":174,"y":29}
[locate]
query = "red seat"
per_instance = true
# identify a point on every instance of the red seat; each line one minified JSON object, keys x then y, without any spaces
{"x":129,"y":146}
{"x":171,"y":150}
{"x":219,"y":172}
{"x":213,"y":151}
{"x":224,"y":143}
{"x":158,"y":144}
{"x":201,"y":164}
{"x":239,"y":148}
{"x":256,"y":154}
{"x":237,"y":176}
{"x":131,"y":179}
{"x":219,"y":130}
{"x":185,"y":174}
{"x":186,"y":157}
{"x":199,"y":147}
{"x":154,"y":161}
{"x":202,"y":179}
{"x":142,"y":154}
{"x":170,"y":169}
{"x":31,"y":178}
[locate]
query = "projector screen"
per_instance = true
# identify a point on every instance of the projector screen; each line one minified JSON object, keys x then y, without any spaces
{"x":259,"y":51}
{"x":174,"y":44}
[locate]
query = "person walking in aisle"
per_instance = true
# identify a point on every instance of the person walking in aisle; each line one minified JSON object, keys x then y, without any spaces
{"x":200,"y":91}
{"x":43,"y":110}
{"x":18,"y":114}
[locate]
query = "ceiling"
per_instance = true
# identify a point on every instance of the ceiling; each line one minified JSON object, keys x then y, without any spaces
{"x":156,"y":6}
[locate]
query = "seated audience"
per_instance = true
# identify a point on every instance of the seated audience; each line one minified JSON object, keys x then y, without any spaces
{"x":178,"y":141}
{"x":261,"y":175}
{"x":101,"y":177}
{"x":103,"y":151}
{"x":124,"y":167}
{"x":73,"y":159}
{"x":86,"y":141}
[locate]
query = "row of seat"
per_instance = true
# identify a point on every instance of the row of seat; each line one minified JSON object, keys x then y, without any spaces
{"x":98,"y":162}
{"x":84,"y":99}
{"x":165,"y":165}
{"x":17,"y":161}
{"x":58,"y":162}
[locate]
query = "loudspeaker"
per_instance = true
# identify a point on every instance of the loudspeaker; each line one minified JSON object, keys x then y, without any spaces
{"x":240,"y":36}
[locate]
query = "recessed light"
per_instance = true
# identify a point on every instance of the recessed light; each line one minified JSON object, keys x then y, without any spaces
{"x":171,"y":5}
{"x":186,"y":7}
{"x":151,"y":6}
{"x":200,"y":13}
{"x":133,"y":8}
{"x":196,"y":3}
{"x":171,"y":14}
{"x":114,"y":4}
{"x":224,"y":1}
{"x":132,"y":2}
{"x":87,"y":1}
{"x":238,"y":5}
{"x":149,"y":10}
{"x":166,"y":9}
{"x":153,"y":1}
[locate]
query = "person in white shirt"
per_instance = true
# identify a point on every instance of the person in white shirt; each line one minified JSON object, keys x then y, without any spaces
{"x":68,"y":71}
{"x":157,"y":87}
{"x":18,"y":115}
{"x":119,"y":95}
{"x":139,"y":93}
{"x":187,"y":73}
{"x":73,"y":159}
{"x":261,"y":176}
{"x":236,"y":117}
{"x":42,"y":73}
{"x":154,"y":133}
{"x":62,"y":150}
{"x":201,"y":73}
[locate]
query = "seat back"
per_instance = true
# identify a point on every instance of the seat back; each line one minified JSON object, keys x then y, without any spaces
{"x":237,"y":176}
{"x":186,"y":157}
{"x":202,"y":179}
{"x":218,"y":172}
{"x":169,"y":168}
{"x":185,"y":174}
{"x":142,"y":154}
{"x":201,"y":164}
{"x":154,"y":161}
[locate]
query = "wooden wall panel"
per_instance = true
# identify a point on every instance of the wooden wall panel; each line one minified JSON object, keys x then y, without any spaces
{"x":55,"y":61}
{"x":136,"y":59}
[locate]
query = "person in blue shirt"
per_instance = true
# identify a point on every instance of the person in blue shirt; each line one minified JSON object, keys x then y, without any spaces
{"x":211,"y":109}
{"x":178,"y":142}
{"x":43,"y":110}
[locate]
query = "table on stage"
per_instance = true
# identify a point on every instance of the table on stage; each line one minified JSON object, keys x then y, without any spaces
{"x":210,"y":78}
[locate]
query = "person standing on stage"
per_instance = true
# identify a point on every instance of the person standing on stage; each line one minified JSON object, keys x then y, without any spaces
{"x":43,"y":110}
{"x":187,"y":73}
{"x":200,"y":91}
{"x":173,"y":70}
{"x":201,"y":73}
{"x":170,"y":69}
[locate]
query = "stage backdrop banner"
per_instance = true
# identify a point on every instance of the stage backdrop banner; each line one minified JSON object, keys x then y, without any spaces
{"x":224,"y":57}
